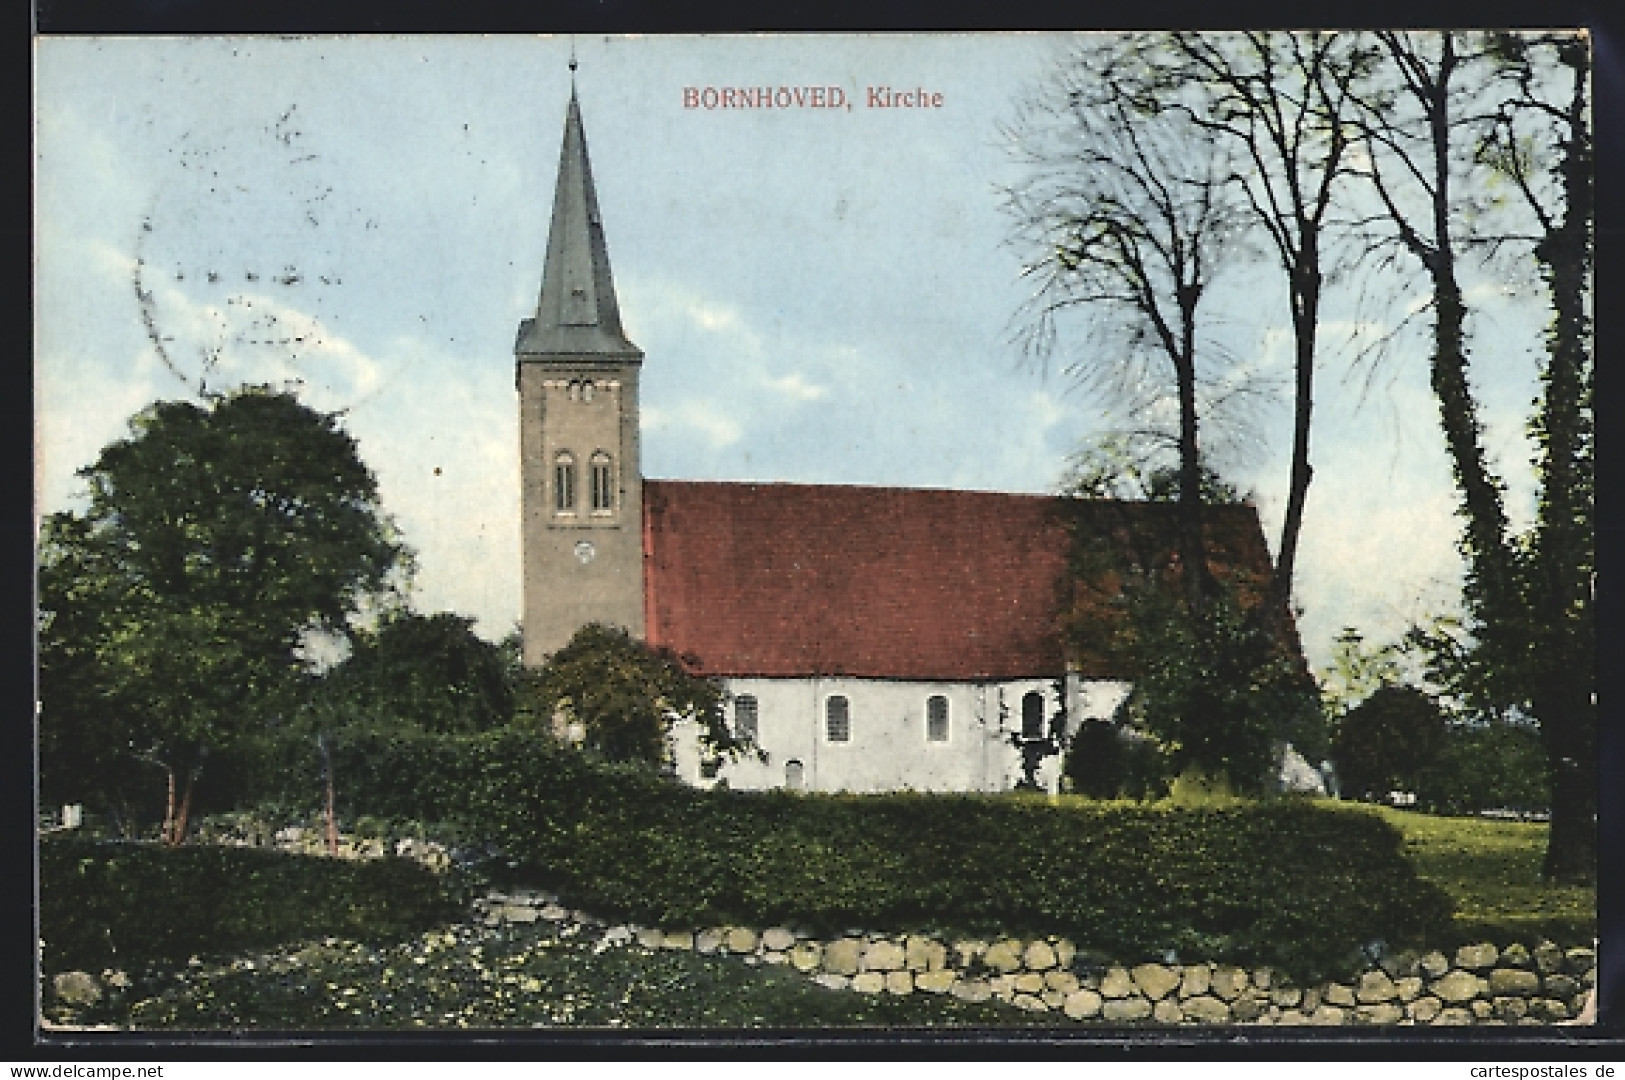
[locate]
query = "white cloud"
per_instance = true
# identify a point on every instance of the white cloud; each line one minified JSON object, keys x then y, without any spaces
{"x":719,"y":427}
{"x":796,"y":386}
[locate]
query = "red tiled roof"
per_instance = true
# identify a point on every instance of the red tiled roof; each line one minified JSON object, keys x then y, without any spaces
{"x":793,"y":580}
{"x":797,"y":579}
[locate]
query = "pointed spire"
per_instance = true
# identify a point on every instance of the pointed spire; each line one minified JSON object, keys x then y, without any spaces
{"x":576,"y":312}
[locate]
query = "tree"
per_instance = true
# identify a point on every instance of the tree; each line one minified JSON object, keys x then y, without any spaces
{"x":1281,"y":100}
{"x":1529,"y":598}
{"x":1392,"y":741}
{"x":625,"y":696}
{"x":430,"y":672}
{"x":1558,"y":572}
{"x":1127,"y":211}
{"x":172,"y":610}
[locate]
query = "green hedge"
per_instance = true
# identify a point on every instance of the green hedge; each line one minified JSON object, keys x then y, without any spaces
{"x":112,"y":904}
{"x":1282,"y":883}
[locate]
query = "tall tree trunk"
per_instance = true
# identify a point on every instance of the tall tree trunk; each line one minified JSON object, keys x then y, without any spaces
{"x":1563,"y":551}
{"x":1304,"y":292}
{"x":1197,"y":581}
{"x":327,"y":777}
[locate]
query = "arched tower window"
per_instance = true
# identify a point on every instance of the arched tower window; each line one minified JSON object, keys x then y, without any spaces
{"x":837,"y":720}
{"x":564,"y":483}
{"x":603,"y":483}
{"x":1032,"y":715}
{"x":936,"y":718}
{"x":793,"y":775}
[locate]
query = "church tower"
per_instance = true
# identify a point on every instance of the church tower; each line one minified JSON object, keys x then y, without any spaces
{"x":581,"y":500}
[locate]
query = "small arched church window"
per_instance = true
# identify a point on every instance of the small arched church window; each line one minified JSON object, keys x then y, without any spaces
{"x":936,"y":718}
{"x":837,"y":720}
{"x":1032,"y":715}
{"x":745,"y":717}
{"x":564,"y":483}
{"x":603,"y":482}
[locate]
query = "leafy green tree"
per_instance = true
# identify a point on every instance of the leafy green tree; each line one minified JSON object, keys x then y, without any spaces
{"x":173,"y":608}
{"x":424,"y":671}
{"x":623,"y":696}
{"x":1392,"y":741}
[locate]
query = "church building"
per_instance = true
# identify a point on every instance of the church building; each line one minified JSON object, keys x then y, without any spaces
{"x":871,"y":638}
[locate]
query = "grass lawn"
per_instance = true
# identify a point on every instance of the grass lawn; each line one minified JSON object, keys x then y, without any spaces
{"x":1491,"y":869}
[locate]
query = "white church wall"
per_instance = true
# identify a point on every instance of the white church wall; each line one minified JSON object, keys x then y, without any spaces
{"x":887,"y":748}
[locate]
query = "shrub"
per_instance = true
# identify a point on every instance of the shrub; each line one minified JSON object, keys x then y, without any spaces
{"x":1286,"y":883}
{"x":125,"y":905}
{"x":1391,"y":741}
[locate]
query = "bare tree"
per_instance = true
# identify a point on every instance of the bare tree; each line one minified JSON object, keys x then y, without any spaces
{"x":1281,"y":102}
{"x":1126,"y":213}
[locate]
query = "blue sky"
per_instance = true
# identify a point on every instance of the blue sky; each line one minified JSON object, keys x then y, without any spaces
{"x":822,"y":295}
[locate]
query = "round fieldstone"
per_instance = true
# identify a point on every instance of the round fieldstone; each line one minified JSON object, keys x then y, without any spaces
{"x":1458,"y":986}
{"x":1453,"y":1017}
{"x":1329,"y":1016}
{"x":899,"y":982}
{"x":1003,"y":986}
{"x":831,"y":981}
{"x":1505,"y":982}
{"x":1029,"y":1002}
{"x":650,"y":938}
{"x":708,"y":941}
{"x":519,"y":913}
{"x":1510,"y":1008}
{"x":882,"y":956}
{"x":973,"y":990}
{"x":1063,"y":982}
{"x":806,"y":955}
{"x":1082,"y":1004}
{"x":1408,"y":988}
{"x":1286,"y":997}
{"x":1155,"y":980}
{"x":1337,"y":994}
{"x":1384,"y":1012}
{"x":1117,"y":983}
{"x":76,"y":988}
{"x":1578,"y":961}
{"x":777,"y":939}
{"x":1206,"y":1009}
{"x":1548,"y":958}
{"x":1167,"y":1011}
{"x":770,"y":956}
{"x":1248,"y":1007}
{"x":1434,"y":964}
{"x":740,"y":939}
{"x":970,"y":951}
{"x":924,"y":954}
{"x":1375,"y":986}
{"x":1228,"y":982}
{"x":1481,"y":1009}
{"x":869,"y":982}
{"x":1003,"y":956}
{"x":1064,"y":952}
{"x":1424,"y":1010}
{"x":841,"y":957}
{"x":1195,"y":979}
{"x":1039,"y":956}
{"x":678,"y":939}
{"x":1263,"y":977}
{"x":1028,"y":982}
{"x":1561,"y":986}
{"x":1124,"y":1010}
{"x":1516,"y":955}
{"x":934,"y":982}
{"x":1548,"y":1009}
{"x":1477,"y":957}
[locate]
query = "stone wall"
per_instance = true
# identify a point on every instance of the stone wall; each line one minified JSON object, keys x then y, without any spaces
{"x":1478,"y":984}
